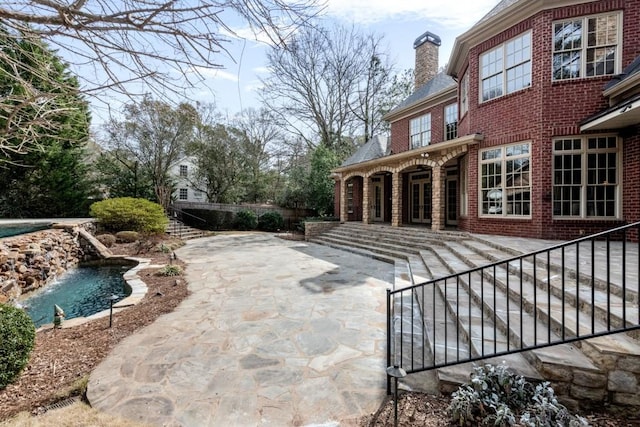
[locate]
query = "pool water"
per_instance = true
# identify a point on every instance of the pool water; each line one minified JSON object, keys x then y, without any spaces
{"x":80,"y":292}
{"x":14,"y":230}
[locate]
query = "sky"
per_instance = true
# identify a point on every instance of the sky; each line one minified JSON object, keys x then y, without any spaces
{"x":400,"y":22}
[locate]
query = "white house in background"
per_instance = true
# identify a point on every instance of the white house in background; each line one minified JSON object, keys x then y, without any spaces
{"x":181,"y":172}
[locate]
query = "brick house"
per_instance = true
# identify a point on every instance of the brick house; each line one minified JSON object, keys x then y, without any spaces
{"x":531,"y":130}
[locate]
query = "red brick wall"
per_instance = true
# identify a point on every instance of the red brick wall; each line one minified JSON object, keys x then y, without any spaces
{"x":538,"y":114}
{"x":400,"y":129}
{"x":336,"y":199}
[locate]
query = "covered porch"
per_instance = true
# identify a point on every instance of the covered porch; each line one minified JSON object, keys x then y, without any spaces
{"x":424,"y":186}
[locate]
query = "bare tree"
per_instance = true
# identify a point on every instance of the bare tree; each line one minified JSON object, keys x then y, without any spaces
{"x":155,"y":135}
{"x":324,"y":84}
{"x":162,"y":44}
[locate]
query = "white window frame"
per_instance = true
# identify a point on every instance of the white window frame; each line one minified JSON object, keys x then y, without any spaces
{"x":420,"y":131}
{"x":448,"y":115}
{"x":504,"y":64}
{"x":584,"y":207}
{"x":183,"y":171}
{"x":497,"y":190}
{"x":584,"y":47}
{"x":183,"y":194}
{"x":464,"y":94}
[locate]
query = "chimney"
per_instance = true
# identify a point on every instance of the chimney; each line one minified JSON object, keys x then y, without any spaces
{"x":426,"y":47}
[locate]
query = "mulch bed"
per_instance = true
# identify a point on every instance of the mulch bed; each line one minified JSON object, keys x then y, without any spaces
{"x":63,"y":357}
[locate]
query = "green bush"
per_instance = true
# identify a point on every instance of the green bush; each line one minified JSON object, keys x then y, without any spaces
{"x":170,"y":270}
{"x":17,"y":336}
{"x":127,"y":213}
{"x":496,"y":397}
{"x":106,"y":239}
{"x":271,"y":221}
{"x":246,"y":220}
{"x":127,"y":236}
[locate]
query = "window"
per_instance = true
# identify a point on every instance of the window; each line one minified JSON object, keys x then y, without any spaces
{"x":507,"y":68}
{"x":350,"y":197}
{"x":464,"y":94}
{"x":183,"y":171}
{"x":505,"y":186}
{"x":585,"y":177}
{"x":184,"y":194}
{"x":420,"y":131}
{"x":586,"y":47}
{"x":451,"y":122}
{"x":198,"y":194}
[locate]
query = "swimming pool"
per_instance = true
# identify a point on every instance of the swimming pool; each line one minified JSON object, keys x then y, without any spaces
{"x":80,"y":292}
{"x":16,"y":229}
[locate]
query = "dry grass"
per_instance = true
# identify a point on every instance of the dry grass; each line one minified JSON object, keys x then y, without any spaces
{"x":77,"y":414}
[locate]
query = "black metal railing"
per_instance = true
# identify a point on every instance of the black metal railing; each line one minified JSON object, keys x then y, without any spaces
{"x":580,"y":289}
{"x":178,"y":217}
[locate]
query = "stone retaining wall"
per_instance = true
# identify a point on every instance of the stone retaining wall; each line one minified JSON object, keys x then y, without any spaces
{"x":30,"y":261}
{"x":315,"y":228}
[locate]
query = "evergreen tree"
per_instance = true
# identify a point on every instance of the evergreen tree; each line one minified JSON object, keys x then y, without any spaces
{"x":48,"y":180}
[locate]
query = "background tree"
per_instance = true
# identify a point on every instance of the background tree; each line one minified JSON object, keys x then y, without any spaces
{"x":118,"y":174}
{"x":154,"y":135}
{"x":320,"y":184}
{"x":126,"y":41}
{"x":220,"y":163}
{"x":324,"y":85}
{"x":262,"y":138}
{"x":49,"y":180}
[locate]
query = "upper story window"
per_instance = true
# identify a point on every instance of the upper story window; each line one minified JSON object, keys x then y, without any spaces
{"x":451,"y":122}
{"x":464,"y":94}
{"x":586,"y":47}
{"x":183,"y":171}
{"x":420,"y":131}
{"x":507,"y":68}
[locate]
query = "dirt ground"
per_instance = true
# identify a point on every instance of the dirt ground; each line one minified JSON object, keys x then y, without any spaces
{"x":63,"y":358}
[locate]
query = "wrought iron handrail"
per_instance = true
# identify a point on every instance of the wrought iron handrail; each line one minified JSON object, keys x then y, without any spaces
{"x":178,"y":225}
{"x":584,"y":288}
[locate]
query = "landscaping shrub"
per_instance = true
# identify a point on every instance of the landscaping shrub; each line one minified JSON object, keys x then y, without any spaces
{"x":246,"y":220}
{"x":127,"y":213}
{"x":106,"y":239}
{"x":271,"y":221}
{"x":17,"y":336}
{"x":127,"y":236}
{"x":170,"y":270}
{"x":496,"y":397}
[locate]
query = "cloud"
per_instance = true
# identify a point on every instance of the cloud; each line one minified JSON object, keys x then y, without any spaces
{"x":215,"y":74}
{"x":459,"y":14}
{"x":261,"y":70}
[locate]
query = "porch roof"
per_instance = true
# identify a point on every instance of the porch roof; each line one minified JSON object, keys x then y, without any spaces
{"x":418,"y":152}
{"x":620,"y":116}
{"x":375,"y":148}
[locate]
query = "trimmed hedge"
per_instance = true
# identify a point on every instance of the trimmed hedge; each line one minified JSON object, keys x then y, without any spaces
{"x":17,"y":336}
{"x":127,"y":213}
{"x":271,"y":221}
{"x":246,"y":220}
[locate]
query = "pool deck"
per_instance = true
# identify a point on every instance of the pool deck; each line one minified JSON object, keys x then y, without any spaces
{"x":275,"y":332}
{"x":44,"y":221}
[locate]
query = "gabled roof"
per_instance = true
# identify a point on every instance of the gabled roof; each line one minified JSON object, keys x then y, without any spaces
{"x":497,"y":9}
{"x":437,"y":84}
{"x":627,"y":74}
{"x":373,"y":149}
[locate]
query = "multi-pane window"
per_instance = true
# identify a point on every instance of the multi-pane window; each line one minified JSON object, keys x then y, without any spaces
{"x":183,"y":194}
{"x":198,"y":194}
{"x":183,"y":171}
{"x":420,"y":131}
{"x":350,"y":197}
{"x":464,"y":94}
{"x":505,"y":181}
{"x":586,"y":47}
{"x":451,"y":122}
{"x":585,"y":177}
{"x":507,"y":68}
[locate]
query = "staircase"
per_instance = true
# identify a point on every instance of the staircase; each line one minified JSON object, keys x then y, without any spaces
{"x":178,"y":229}
{"x":461,"y":298}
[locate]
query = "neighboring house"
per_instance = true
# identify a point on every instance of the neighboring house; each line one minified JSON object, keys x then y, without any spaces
{"x":181,"y":172}
{"x":532,"y":130}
